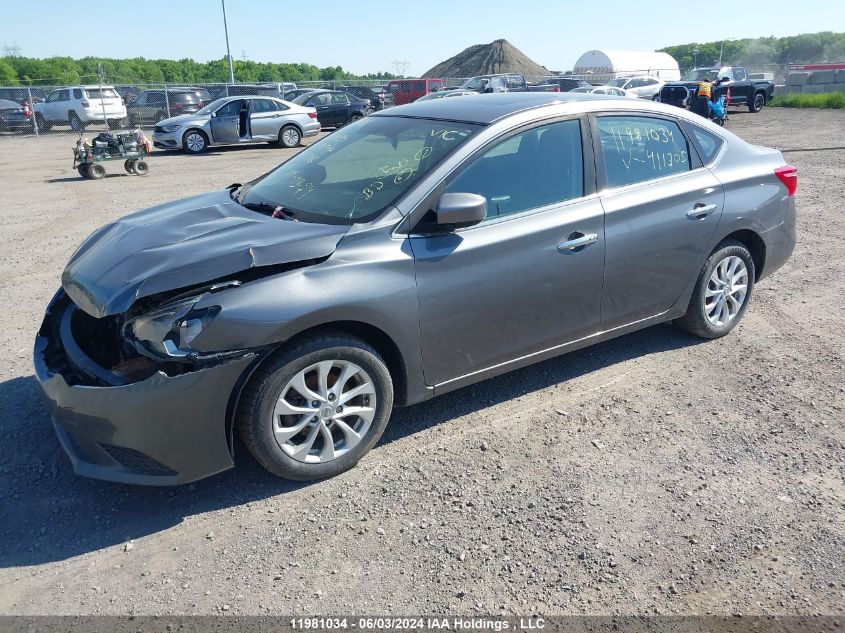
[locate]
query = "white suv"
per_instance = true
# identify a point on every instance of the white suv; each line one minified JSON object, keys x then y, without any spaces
{"x":78,"y":105}
{"x":644,"y":86}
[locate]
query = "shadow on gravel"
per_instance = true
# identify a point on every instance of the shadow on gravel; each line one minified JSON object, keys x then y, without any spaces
{"x":49,"y":514}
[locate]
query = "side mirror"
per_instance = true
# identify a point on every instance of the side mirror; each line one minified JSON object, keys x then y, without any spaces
{"x":460,"y":209}
{"x":725,"y":79}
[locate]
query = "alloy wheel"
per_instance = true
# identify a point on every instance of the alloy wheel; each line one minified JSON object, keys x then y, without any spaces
{"x":195,"y":142}
{"x":726,"y":291}
{"x":324,"y":411}
{"x":290,"y":137}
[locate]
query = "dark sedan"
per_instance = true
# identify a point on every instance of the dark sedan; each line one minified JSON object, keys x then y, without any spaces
{"x":14,"y":117}
{"x":334,"y":108}
{"x":379,"y":99}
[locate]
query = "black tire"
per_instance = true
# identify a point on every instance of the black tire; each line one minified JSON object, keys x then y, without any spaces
{"x":83,"y":171}
{"x":197,"y":148}
{"x":43,"y":126}
{"x":757,"y":102}
{"x":355,"y":116}
{"x":695,"y":320}
{"x":255,"y":411}
{"x":134,"y":120}
{"x":290,"y":136}
{"x":96,"y":171}
{"x":161,"y":115}
{"x":140,"y":167}
{"x":127,"y":165}
{"x":75,"y":122}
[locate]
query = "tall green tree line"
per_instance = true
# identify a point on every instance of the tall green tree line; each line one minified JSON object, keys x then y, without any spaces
{"x":808,"y":48}
{"x":66,"y":70}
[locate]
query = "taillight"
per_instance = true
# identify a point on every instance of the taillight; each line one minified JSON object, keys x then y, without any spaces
{"x":788,"y":175}
{"x":200,"y":104}
{"x":26,"y":110}
{"x":176,"y":106}
{"x":313,"y":115}
{"x":557,"y":88}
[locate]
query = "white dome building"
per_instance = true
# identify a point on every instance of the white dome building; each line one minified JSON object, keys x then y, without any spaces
{"x":601,"y":66}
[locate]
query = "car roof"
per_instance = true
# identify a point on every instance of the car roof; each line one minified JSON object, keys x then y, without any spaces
{"x":6,"y":103}
{"x":488,"y":108}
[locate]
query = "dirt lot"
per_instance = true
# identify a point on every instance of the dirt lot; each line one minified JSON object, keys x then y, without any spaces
{"x":650,"y":474}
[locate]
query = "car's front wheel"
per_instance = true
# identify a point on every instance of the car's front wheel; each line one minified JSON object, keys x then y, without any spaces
{"x":194,"y":142}
{"x":721,"y":293}
{"x":316,"y":407}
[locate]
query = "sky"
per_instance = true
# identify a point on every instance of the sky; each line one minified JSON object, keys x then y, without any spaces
{"x":370,"y":35}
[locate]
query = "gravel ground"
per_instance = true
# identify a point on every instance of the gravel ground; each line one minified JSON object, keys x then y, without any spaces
{"x":650,"y":474}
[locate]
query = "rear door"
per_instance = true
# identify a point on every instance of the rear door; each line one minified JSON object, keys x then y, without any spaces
{"x":224,"y":123}
{"x":661,"y":210}
{"x":264,"y":119}
{"x":518,"y":283}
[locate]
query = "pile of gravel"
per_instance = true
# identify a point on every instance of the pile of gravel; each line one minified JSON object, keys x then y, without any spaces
{"x":499,"y":56}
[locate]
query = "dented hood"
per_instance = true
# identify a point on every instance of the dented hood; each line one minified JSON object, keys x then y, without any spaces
{"x":184,"y":243}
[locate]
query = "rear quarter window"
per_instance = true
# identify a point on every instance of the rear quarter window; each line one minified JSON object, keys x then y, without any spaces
{"x":706,"y":143}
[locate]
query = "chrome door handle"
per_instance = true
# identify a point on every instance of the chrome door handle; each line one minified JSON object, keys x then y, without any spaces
{"x":701,"y":210}
{"x":578,"y":242}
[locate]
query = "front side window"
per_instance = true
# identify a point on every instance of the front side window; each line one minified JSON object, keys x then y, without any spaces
{"x":740,"y":74}
{"x":636,"y":149}
{"x":355,"y":173}
{"x":533,"y":169}
{"x":233,"y":108}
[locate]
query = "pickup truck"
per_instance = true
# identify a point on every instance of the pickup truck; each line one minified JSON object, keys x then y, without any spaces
{"x":505,"y":82}
{"x":743,"y":91}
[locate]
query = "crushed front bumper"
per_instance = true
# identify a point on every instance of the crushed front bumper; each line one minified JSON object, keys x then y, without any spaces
{"x":163,"y":430}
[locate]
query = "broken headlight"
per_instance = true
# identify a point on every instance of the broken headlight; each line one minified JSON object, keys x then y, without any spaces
{"x":169,"y":330}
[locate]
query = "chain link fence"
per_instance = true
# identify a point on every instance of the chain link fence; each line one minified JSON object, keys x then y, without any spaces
{"x":118,"y":105}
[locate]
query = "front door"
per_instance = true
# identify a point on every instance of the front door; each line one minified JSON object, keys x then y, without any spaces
{"x":661,"y":210}
{"x":225,"y":123}
{"x":527,"y":278}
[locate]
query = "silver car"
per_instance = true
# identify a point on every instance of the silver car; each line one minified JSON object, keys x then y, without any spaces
{"x":242,"y":119}
{"x":421,"y":249}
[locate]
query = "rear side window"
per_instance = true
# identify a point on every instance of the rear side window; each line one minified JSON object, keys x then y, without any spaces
{"x":707,"y":144}
{"x":538,"y":167}
{"x":636,"y":149}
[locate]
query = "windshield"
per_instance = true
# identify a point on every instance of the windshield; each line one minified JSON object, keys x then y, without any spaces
{"x":617,"y":83}
{"x":476,"y":83}
{"x":352,"y":175}
{"x":212,"y":107}
{"x":699,"y":74}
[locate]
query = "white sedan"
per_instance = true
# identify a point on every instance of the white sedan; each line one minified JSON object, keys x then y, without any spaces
{"x":607,"y":90}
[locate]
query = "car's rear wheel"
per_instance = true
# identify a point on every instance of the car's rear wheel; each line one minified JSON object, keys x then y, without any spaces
{"x":194,"y":142}
{"x":355,"y":116}
{"x":83,"y":171}
{"x":128,"y":165}
{"x":722,"y":292}
{"x":757,"y":103}
{"x":316,"y":407}
{"x":289,"y":136}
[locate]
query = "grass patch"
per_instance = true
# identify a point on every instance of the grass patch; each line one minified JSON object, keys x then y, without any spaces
{"x":832,"y":100}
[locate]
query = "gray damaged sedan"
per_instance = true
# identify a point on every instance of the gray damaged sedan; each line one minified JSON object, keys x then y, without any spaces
{"x":233,"y":120}
{"x":419,"y":250}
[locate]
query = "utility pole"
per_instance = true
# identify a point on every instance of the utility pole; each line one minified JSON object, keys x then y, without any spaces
{"x":228,"y":52}
{"x":100,"y":74}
